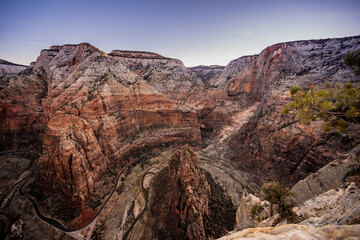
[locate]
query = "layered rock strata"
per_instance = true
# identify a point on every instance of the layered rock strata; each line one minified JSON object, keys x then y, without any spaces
{"x":96,"y":111}
{"x":181,"y":200}
{"x":287,"y":149}
{"x":98,"y":107}
{"x":331,"y":176}
{"x":191,"y":192}
{"x":336,"y":206}
{"x":22,"y":119}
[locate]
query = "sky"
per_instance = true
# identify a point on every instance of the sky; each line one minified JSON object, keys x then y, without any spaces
{"x":198,"y":32}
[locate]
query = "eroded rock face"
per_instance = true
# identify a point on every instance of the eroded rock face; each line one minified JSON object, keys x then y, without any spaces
{"x":22,"y":120}
{"x":208,"y":74}
{"x":287,"y":150}
{"x":181,"y":199}
{"x":244,"y":216}
{"x":97,"y":111}
{"x":192,"y":192}
{"x":292,"y":63}
{"x":331,"y":176}
{"x":336,"y":206}
{"x":272,"y":146}
{"x":10,"y":68}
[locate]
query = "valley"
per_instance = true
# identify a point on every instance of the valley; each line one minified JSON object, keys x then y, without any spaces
{"x":134,"y":145}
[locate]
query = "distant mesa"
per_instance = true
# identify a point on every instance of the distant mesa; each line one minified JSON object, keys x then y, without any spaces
{"x":136,"y":54}
{"x":10,"y":68}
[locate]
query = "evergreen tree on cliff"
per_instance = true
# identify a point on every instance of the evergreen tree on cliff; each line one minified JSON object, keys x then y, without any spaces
{"x":337,"y":105}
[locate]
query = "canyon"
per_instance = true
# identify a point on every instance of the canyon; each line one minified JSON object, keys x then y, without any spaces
{"x":188,"y":145}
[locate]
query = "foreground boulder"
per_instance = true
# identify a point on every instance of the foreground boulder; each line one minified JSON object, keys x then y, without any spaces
{"x":299,"y":232}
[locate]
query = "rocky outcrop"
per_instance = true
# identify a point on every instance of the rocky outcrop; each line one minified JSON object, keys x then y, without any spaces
{"x":246,"y":214}
{"x":336,"y":206}
{"x":181,"y":198}
{"x":328,"y":177}
{"x":10,"y":68}
{"x":299,"y":232}
{"x":191,"y":192}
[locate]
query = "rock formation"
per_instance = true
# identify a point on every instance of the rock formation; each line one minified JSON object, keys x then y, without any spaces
{"x":299,"y":232}
{"x":22,"y":120}
{"x":85,"y":110}
{"x":10,"y":68}
{"x":181,"y":200}
{"x":208,"y":74}
{"x":244,"y":216}
{"x":336,"y":206}
{"x":192,"y":192}
{"x":331,"y":176}
{"x":98,"y":110}
{"x":288,"y":150}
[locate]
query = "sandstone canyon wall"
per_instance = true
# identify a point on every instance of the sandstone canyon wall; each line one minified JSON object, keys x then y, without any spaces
{"x":270,"y":146}
{"x":87,"y":109}
{"x":182,"y":198}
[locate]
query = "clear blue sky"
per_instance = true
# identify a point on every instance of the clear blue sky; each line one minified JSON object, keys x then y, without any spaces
{"x":197,"y":32}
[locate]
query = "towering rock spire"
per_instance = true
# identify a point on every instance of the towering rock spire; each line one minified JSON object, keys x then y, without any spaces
{"x":192,"y":192}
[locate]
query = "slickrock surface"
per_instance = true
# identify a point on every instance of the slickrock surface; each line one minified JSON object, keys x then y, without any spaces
{"x":329,"y":177}
{"x":298,"y":232}
{"x":336,"y":206}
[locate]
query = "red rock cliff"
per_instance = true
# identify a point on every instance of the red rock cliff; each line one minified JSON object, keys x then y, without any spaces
{"x":98,"y":111}
{"x":192,"y":192}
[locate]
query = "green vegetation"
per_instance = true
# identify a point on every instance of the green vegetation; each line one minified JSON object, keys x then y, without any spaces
{"x":338,"y":106}
{"x":261,"y":218}
{"x":275,"y":194}
{"x":353,"y":61}
{"x":255,"y":210}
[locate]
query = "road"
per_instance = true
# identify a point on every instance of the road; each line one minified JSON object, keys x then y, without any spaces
{"x":145,"y":193}
{"x":53,"y":222}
